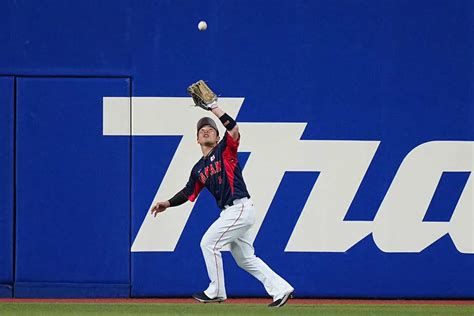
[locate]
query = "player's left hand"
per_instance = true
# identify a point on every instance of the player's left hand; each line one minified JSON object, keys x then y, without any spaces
{"x":202,"y":95}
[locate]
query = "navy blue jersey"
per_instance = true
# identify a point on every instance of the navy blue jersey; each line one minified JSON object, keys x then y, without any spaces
{"x":220,"y":173}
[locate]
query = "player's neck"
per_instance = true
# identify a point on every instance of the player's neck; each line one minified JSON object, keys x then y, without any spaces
{"x":206,"y":149}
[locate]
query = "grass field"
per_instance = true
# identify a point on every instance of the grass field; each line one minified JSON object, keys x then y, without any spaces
{"x":47,"y":309}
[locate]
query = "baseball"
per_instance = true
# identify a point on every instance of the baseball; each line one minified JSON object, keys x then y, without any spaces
{"x":202,"y":26}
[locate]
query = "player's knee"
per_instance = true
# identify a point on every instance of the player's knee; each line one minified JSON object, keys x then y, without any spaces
{"x":206,"y":244}
{"x":246,"y":262}
{"x":242,"y":264}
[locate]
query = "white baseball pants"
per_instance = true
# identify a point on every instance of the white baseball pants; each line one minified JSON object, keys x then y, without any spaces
{"x":232,"y":227}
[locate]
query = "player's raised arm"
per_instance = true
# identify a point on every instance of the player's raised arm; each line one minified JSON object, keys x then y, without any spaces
{"x":205,"y":98}
{"x":227,"y":121}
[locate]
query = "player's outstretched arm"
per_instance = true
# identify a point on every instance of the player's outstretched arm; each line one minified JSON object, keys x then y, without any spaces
{"x":176,"y":200}
{"x":159,"y":207}
{"x":227,"y":121}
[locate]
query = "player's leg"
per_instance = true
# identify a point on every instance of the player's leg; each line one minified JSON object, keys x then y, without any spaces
{"x":244,"y":254}
{"x":230,"y":225}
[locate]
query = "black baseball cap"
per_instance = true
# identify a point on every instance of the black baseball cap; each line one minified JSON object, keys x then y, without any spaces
{"x":207,"y":121}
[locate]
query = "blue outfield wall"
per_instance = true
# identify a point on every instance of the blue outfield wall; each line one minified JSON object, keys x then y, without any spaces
{"x":73,"y":203}
{"x":6,"y":186}
{"x":357,"y":124}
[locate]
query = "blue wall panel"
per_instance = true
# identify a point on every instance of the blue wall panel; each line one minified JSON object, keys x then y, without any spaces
{"x":72,"y":189}
{"x":93,"y":38}
{"x":6,"y":185}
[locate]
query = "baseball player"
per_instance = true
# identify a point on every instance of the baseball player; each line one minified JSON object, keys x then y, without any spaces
{"x":219,"y":171}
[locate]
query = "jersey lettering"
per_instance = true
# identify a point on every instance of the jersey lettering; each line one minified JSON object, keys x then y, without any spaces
{"x":212,"y":169}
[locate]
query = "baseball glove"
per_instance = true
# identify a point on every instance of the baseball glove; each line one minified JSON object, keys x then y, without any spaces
{"x":202,"y":95}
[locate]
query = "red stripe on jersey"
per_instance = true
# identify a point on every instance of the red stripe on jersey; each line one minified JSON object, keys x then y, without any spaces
{"x":230,"y":159}
{"x":231,"y":142}
{"x":197,"y":188}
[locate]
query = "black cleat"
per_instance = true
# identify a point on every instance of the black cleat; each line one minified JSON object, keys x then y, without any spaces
{"x":203,"y":298}
{"x":281,"y":301}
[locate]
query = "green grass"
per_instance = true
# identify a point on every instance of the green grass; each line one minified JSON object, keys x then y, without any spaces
{"x":59,"y":309}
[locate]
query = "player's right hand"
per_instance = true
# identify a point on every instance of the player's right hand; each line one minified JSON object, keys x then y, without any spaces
{"x":159,"y":207}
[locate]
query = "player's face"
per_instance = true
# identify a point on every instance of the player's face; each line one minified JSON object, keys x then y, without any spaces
{"x":207,"y":136}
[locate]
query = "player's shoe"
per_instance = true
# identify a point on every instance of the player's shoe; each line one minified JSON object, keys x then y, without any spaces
{"x":282,"y":301}
{"x":203,"y":298}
